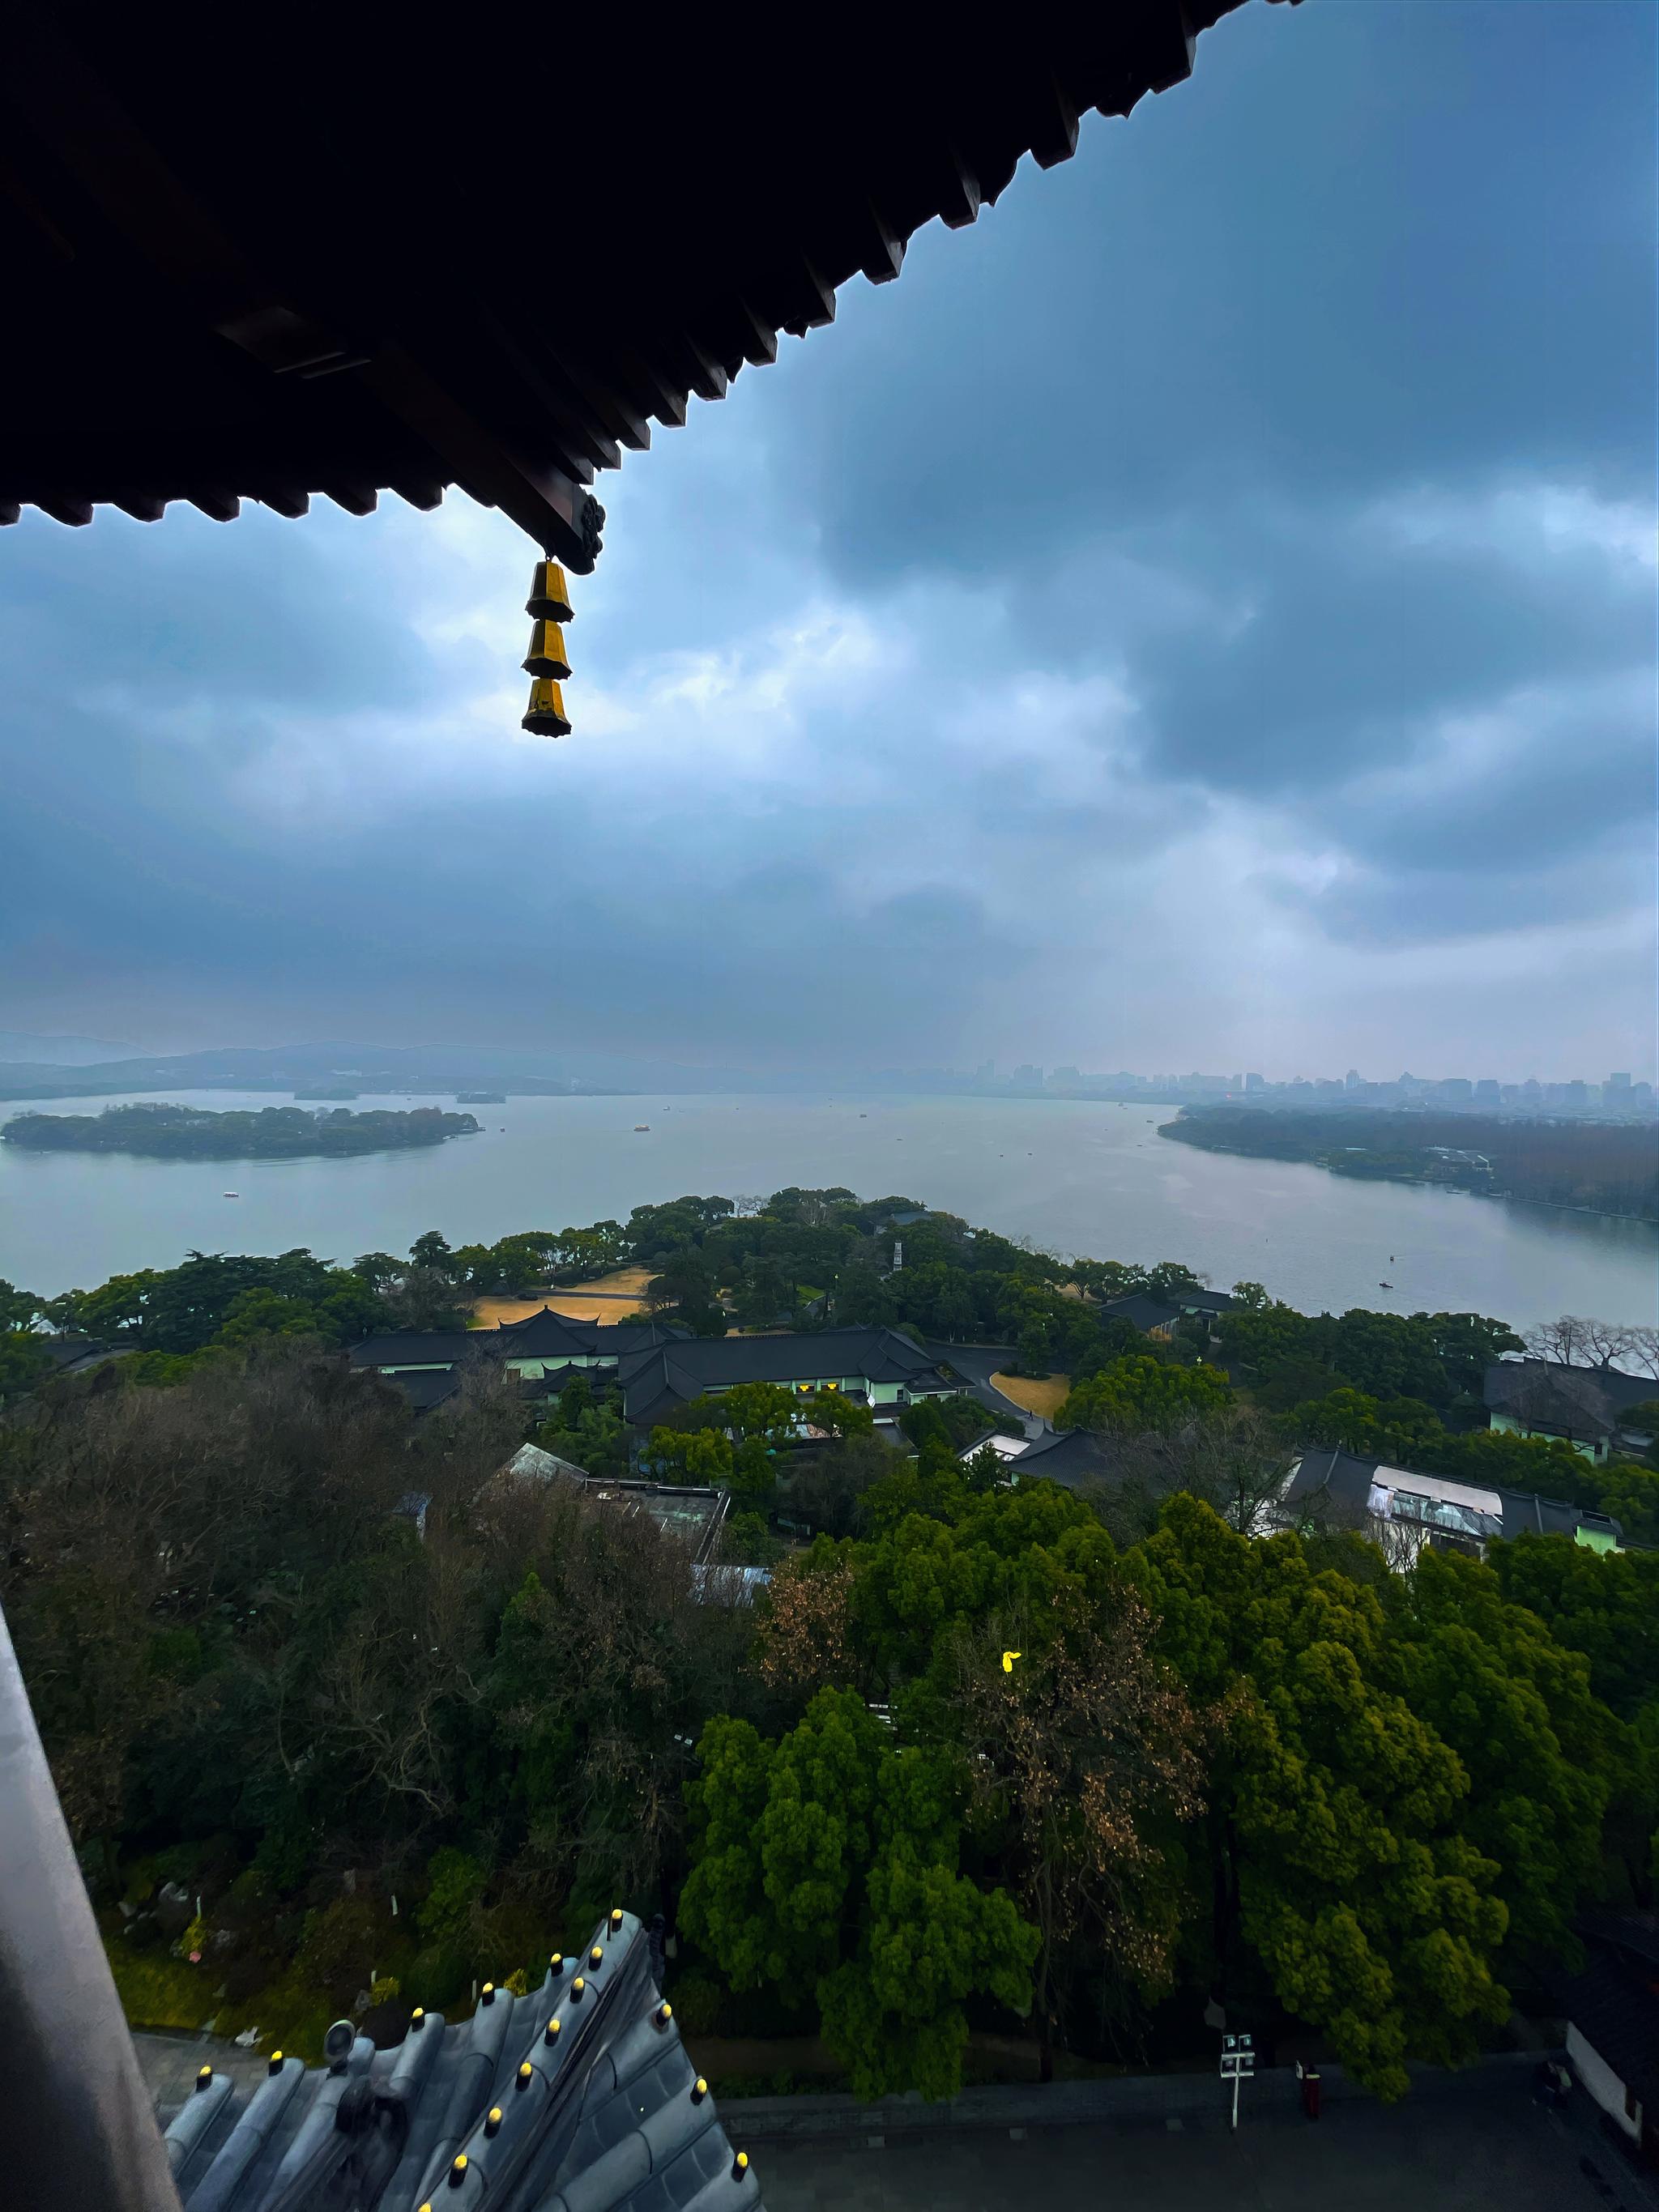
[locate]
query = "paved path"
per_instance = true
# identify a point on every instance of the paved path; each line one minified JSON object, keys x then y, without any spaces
{"x":1486,"y":2149}
{"x":979,"y":1363}
{"x":1468,"y":2142}
{"x":170,"y":2063}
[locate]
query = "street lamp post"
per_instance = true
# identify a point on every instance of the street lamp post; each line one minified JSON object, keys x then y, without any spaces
{"x":1237,"y":2061}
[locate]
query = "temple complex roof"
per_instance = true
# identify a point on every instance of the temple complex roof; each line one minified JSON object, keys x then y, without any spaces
{"x":577,"y":2097}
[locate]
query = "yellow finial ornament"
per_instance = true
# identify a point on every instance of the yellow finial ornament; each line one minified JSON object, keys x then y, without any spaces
{"x":545,"y":717}
{"x":1008,"y":1659}
{"x":549,"y":595}
{"x":547,"y":661}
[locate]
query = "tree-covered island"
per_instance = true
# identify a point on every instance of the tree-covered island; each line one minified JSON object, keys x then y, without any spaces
{"x":273,"y":1133}
{"x":1595,"y":1167}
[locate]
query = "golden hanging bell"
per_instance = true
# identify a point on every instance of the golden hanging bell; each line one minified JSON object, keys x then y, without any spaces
{"x":549,"y":595}
{"x":545,"y":717}
{"x":546,"y":656}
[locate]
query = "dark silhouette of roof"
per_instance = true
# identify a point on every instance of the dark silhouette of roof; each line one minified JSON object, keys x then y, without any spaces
{"x":1075,"y":1458}
{"x":1343,"y":1482}
{"x":603,"y":2111}
{"x":1614,"y":2007}
{"x":1579,"y":1401}
{"x":418,"y":1347}
{"x":550,"y":1335}
{"x":656,"y":1381}
{"x":72,"y":1355}
{"x":1143,"y":1309}
{"x":427,"y":1387}
{"x":246,"y":266}
{"x":543,"y":1335}
{"x":694,"y":1516}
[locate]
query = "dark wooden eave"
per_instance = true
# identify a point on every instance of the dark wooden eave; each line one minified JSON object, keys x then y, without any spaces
{"x":258,"y":255}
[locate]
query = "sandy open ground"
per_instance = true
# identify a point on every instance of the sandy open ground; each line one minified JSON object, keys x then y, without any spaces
{"x":607,"y":1297}
{"x":1036,"y":1397}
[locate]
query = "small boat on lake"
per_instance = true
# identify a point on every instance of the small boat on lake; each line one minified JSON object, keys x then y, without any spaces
{"x":641,"y":1129}
{"x":233,"y":1194}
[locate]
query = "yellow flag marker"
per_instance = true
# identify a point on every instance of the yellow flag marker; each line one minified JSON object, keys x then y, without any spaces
{"x":1008,"y":1659}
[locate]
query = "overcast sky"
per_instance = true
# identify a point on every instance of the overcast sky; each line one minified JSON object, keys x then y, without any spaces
{"x":1203,"y":616}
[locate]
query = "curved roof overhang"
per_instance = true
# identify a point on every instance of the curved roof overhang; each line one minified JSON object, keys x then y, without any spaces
{"x":268,"y":256}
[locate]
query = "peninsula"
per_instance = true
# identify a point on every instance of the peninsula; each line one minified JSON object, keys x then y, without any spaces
{"x":275,"y":1132}
{"x":1606,"y":1167}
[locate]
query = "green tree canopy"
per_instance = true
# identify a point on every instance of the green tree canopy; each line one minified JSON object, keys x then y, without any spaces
{"x":1538,"y":1749}
{"x":1139,"y":1392}
{"x":1605,"y":1604}
{"x":1337,"y":1821}
{"x":826,"y":1863}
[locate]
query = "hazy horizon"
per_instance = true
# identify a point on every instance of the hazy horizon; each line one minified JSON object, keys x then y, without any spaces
{"x":1212,"y":598}
{"x":828,"y":1077}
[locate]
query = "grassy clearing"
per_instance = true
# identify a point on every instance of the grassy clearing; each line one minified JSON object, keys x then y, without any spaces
{"x":1036,"y":1397}
{"x":159,"y":1991}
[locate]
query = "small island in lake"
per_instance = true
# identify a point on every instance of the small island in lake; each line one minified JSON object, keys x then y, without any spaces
{"x":275,"y":1132}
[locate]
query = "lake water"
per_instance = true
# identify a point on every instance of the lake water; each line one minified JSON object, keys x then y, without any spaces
{"x":1073,"y":1176}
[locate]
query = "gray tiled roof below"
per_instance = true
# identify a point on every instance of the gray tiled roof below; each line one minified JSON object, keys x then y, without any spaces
{"x":605,"y":2112}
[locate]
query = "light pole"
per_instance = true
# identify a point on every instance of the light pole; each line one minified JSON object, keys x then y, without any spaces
{"x":1238,"y":2060}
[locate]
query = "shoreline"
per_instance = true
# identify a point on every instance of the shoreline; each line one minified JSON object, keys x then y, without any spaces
{"x":1409,"y":1183}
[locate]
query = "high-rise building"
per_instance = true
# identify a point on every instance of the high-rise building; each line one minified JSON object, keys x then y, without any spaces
{"x":1352,"y":1079}
{"x":1488,"y":1091}
{"x":1027,"y":1077}
{"x":1618,"y":1082}
{"x":1255,"y":1083}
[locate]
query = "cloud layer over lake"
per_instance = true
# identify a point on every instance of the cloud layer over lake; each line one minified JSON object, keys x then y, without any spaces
{"x":1206,"y":613}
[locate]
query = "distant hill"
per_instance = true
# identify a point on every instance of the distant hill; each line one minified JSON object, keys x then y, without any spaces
{"x":22,"y":1047}
{"x":432,"y":1069}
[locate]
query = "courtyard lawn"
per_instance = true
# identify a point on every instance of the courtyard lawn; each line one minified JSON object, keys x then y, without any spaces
{"x":1036,"y":1396}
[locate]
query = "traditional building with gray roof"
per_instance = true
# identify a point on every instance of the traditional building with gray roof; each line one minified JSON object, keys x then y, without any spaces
{"x":545,"y":1350}
{"x":876,"y":1366}
{"x":1584,"y":1407}
{"x":1076,"y":1459}
{"x":578,"y":2097}
{"x":1404,"y":1511}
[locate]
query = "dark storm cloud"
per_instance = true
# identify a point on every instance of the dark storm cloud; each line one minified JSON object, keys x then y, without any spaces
{"x":1363,"y":240}
{"x":1187,"y":609}
{"x":1353,"y":647}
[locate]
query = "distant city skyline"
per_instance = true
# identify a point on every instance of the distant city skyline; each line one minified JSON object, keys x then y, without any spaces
{"x":1619,"y":1091}
{"x":391,"y":1067}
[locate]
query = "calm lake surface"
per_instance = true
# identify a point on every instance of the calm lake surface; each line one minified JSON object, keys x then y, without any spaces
{"x":1073,"y":1176}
